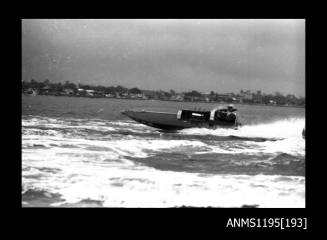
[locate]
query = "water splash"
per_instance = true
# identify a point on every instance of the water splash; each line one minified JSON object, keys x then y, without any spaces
{"x":284,"y":128}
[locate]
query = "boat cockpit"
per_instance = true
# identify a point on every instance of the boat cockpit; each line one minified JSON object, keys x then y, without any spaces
{"x":218,"y":114}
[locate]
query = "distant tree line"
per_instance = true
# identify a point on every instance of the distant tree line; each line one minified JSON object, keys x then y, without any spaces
{"x":47,"y":86}
{"x":68,"y":88}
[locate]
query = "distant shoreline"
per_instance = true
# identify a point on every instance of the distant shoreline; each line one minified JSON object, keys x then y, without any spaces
{"x":113,"y":98}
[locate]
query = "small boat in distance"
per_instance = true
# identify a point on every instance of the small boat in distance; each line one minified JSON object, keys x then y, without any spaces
{"x":218,"y":117}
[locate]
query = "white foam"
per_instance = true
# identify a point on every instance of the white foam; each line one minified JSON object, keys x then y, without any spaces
{"x":295,"y":147}
{"x":85,"y":124}
{"x":99,"y":169}
{"x":87,"y":175}
{"x":152,"y":188}
{"x":285,"y":128}
{"x":287,"y":136}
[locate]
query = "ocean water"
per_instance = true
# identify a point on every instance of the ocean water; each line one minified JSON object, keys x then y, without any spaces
{"x":81,"y":152}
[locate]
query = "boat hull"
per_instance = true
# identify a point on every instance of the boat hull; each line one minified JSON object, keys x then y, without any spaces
{"x":169,"y":121}
{"x":162,"y":120}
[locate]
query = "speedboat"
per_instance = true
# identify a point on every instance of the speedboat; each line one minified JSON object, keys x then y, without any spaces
{"x":218,"y":117}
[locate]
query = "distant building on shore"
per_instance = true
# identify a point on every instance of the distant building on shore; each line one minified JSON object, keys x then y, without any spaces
{"x":81,"y":92}
{"x":110,"y":95}
{"x":31,"y":91}
{"x":150,"y":94}
{"x":226,"y":97}
{"x":247,"y":95}
{"x":69,"y":91}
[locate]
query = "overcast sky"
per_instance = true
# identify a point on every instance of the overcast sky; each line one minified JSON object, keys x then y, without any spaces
{"x":204,"y":55}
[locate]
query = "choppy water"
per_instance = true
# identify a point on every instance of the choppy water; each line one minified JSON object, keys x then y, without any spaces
{"x":80,"y":152}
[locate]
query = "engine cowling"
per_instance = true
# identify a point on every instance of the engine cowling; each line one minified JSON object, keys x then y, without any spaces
{"x":231,"y":116}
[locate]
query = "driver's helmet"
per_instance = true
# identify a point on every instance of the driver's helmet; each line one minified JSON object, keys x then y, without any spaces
{"x":230,"y":107}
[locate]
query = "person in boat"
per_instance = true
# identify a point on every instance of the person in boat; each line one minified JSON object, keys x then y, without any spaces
{"x":231,"y":108}
{"x":227,"y":113}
